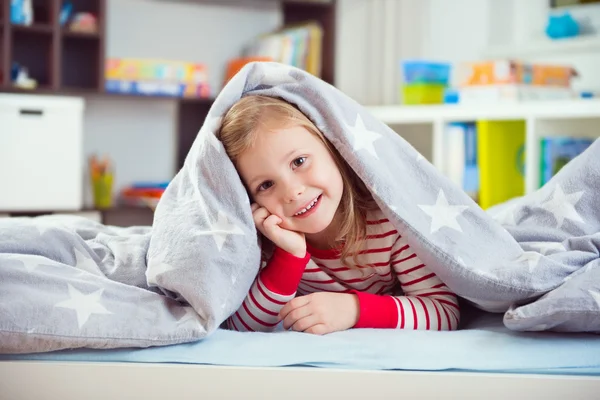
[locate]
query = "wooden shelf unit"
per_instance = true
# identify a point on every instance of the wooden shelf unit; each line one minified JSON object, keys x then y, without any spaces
{"x":191,"y":114}
{"x":58,"y":59}
{"x":72,"y":63}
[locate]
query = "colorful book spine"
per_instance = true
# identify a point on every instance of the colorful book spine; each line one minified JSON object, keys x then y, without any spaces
{"x":556,"y":152}
{"x":471,"y":174}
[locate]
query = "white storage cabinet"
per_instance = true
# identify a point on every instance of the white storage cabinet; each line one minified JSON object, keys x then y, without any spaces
{"x":41,"y":153}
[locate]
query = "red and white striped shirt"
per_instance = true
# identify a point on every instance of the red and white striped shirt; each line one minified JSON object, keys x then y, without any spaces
{"x":386,"y":267}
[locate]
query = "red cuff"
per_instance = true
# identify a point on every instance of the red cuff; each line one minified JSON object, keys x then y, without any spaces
{"x":376,"y":311}
{"x":283,"y":272}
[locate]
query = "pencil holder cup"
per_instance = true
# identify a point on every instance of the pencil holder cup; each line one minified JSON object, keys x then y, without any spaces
{"x":102,"y":188}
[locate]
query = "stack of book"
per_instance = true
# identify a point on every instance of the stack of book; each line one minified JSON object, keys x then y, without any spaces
{"x":297,"y":45}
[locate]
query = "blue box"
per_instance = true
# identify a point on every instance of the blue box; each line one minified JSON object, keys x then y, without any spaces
{"x":422,"y":71}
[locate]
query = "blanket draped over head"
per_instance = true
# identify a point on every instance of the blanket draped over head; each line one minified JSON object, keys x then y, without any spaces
{"x":68,"y":282}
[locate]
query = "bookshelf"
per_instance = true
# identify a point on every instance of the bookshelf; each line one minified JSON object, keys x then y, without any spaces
{"x":424,"y":126}
{"x":72,"y":63}
{"x":60,"y":60}
{"x":67,"y":63}
{"x":191,"y":113}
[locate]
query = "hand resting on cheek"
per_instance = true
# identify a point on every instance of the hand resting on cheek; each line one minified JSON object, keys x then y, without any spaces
{"x":269,"y":225}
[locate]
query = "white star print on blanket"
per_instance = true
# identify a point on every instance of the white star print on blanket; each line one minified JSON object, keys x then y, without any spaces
{"x":68,"y":282}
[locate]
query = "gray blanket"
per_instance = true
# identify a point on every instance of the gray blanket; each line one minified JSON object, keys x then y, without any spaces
{"x":67,"y":282}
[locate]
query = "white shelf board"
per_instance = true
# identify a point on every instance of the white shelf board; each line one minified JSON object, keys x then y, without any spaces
{"x":423,"y":114}
{"x":579,"y":44}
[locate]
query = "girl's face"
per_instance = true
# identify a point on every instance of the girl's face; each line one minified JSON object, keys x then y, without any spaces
{"x":290,"y":172}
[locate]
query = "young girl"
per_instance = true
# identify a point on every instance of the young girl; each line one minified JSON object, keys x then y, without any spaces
{"x":327,"y":240}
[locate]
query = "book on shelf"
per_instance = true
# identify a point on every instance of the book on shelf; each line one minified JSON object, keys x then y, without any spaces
{"x":460,"y":161}
{"x":487,"y":158}
{"x":557,"y":151}
{"x":298,"y":45}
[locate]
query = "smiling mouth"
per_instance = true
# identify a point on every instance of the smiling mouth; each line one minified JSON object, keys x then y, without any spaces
{"x":309,"y":206}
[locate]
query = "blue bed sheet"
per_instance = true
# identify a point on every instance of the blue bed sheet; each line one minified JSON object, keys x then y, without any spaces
{"x":483,"y":345}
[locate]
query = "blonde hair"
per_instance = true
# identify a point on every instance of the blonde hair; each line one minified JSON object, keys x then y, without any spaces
{"x":239,"y":130}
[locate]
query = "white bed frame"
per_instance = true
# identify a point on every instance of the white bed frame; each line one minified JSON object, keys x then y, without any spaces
{"x":39,"y":380}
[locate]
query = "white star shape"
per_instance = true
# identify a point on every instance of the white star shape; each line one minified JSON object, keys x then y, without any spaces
{"x":531,"y":257}
{"x":562,"y":205}
{"x":273,"y":74}
{"x":207,"y":132}
{"x":443,"y":214}
{"x":83,"y":304}
{"x":506,"y":216}
{"x":85,"y":263}
{"x":157,"y":266}
{"x":363,"y":138}
{"x":545,"y":247}
{"x":31,"y":266}
{"x":222,"y":228}
{"x":596,"y":296}
{"x":14,"y":261}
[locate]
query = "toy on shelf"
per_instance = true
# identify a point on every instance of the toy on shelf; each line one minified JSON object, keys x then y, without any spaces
{"x":84,"y":22}
{"x":20,"y":78}
{"x":21,"y":12}
{"x":562,"y":26}
{"x":149,"y":77}
{"x":66,"y":11}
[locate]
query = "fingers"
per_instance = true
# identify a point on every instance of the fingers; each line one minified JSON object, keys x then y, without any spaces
{"x":318,"y":329}
{"x":298,"y":315}
{"x":259,"y":214}
{"x":266,"y":222}
{"x":292,"y":305}
{"x":305,"y":324}
{"x":271,"y":224}
{"x":295,"y":316}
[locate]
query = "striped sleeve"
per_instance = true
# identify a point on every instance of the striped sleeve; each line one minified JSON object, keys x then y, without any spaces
{"x":427,"y":302}
{"x":275,"y":285}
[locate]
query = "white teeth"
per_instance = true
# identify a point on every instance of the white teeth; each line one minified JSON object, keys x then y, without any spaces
{"x":308,"y":207}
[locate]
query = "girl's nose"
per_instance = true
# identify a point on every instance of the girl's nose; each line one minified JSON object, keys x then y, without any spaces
{"x":294,"y":191}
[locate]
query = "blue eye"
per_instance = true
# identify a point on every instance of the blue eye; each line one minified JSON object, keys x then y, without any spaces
{"x":299,"y":161}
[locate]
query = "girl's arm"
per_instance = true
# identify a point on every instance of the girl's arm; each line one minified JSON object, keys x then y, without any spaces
{"x":427,"y":302}
{"x":275,"y":285}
